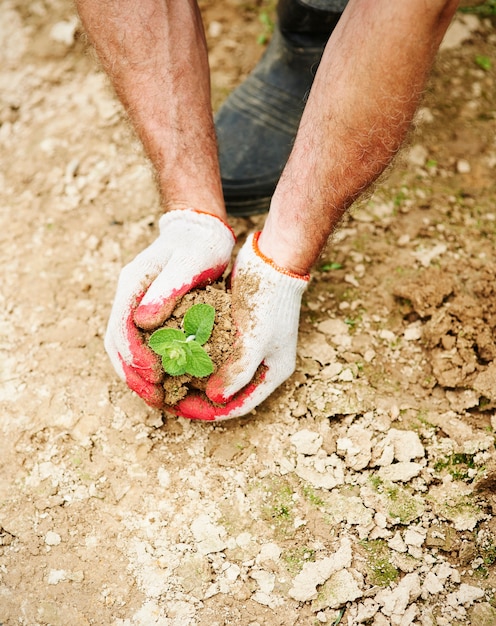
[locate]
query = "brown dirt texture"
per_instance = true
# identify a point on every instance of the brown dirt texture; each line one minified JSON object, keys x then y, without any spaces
{"x":363,"y":490}
{"x":219,"y":347}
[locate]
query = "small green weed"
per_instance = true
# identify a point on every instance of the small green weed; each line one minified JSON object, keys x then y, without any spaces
{"x":266,"y":18}
{"x":312,"y":497}
{"x":279,"y":506}
{"x":377,"y":483}
{"x":339,"y":617}
{"x":486,"y":9}
{"x":489,"y":558}
{"x":483,"y":62}
{"x":329,"y":267}
{"x":296,"y":558}
{"x":458,"y":465}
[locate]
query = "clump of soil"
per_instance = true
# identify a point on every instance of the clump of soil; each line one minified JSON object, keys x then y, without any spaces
{"x":219,"y":347}
{"x":459,"y":326}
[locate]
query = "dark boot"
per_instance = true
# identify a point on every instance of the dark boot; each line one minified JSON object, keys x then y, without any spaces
{"x":257,"y":123}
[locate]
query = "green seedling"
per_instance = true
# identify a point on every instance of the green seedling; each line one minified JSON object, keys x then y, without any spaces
{"x":265,"y":18}
{"x":486,"y":8}
{"x":483,"y":62}
{"x":181,"y":350}
{"x":326,"y":267}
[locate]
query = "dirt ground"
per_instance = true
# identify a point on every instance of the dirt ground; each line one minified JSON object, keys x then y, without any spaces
{"x":363,"y":490}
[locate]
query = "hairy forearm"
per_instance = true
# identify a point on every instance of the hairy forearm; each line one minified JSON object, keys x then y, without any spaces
{"x":154,"y":52}
{"x":360,"y":108}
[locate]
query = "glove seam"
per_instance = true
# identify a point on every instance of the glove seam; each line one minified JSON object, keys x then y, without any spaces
{"x":275,"y":266}
{"x":176,"y":213}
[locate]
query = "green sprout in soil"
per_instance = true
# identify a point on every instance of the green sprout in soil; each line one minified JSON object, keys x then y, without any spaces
{"x":483,"y":62}
{"x":458,"y":465}
{"x":181,"y":350}
{"x":486,"y":9}
{"x":266,"y":18}
{"x":312,"y":497}
{"x":486,"y":553}
{"x":329,"y":267}
{"x":296,"y":558}
{"x":279,"y":506}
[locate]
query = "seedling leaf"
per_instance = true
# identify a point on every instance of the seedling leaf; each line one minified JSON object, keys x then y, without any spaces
{"x":330,"y":266}
{"x":483,"y":62}
{"x":181,"y":352}
{"x":199,"y":321}
{"x":161,"y":339}
{"x":176,"y":358}
{"x":199,"y":363}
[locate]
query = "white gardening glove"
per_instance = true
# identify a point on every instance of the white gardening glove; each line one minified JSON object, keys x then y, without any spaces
{"x":193,"y":249}
{"x":266,"y":301}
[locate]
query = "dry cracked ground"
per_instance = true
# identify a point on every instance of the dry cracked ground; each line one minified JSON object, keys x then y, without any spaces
{"x":363,"y":490}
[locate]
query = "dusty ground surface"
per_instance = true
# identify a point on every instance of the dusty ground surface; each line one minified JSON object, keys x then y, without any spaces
{"x":362,"y":491}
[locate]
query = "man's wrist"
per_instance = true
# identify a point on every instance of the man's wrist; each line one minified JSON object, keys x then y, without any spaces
{"x":283,"y":251}
{"x":191,"y":214}
{"x":210,"y":207}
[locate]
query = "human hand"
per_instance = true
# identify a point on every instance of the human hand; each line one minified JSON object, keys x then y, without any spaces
{"x":192,"y":249}
{"x":266,"y":302}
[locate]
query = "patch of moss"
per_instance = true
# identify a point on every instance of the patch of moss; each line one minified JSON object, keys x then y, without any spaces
{"x":486,"y":543}
{"x":402,"y":505}
{"x":380,"y":569}
{"x":463,"y":508}
{"x":376,"y":482}
{"x":296,"y":558}
{"x":311,"y":496}
{"x":423,"y":416}
{"x":279,"y":505}
{"x":458,"y":465}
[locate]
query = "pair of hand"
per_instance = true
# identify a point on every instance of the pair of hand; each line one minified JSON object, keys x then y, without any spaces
{"x":193,"y":249}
